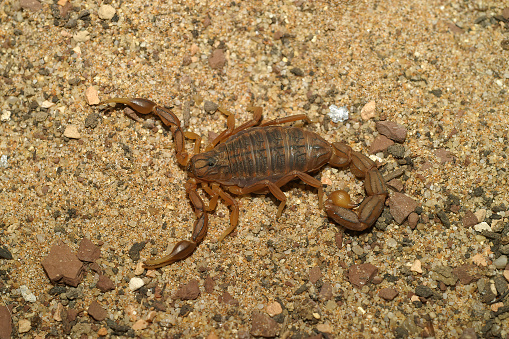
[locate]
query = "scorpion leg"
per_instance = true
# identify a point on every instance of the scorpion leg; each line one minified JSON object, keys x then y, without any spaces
{"x":234,"y":216}
{"x":307,"y":179}
{"x":145,"y":106}
{"x":185,"y":248}
{"x":283,"y":120}
{"x":376,"y":191}
{"x":261,"y":186}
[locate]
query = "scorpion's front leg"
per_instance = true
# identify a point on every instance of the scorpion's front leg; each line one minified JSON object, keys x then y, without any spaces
{"x":338,"y":206}
{"x":145,"y":106}
{"x":185,"y":248}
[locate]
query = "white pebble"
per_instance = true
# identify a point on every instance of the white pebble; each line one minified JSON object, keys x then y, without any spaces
{"x":3,"y":161}
{"x":106,"y":12}
{"x":482,"y":226}
{"x":26,"y":294}
{"x":338,"y":114}
{"x":135,"y":283}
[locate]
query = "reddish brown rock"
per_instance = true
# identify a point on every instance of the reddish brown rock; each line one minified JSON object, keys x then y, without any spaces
{"x":96,"y":311}
{"x":263,"y":326}
{"x":105,"y":284}
{"x":401,"y":206}
{"x":227,"y":298}
{"x":392,"y":130}
{"x":209,"y":285}
{"x":338,"y":237}
{"x":189,"y":291}
{"x":388,"y":293}
{"x":62,"y":265}
{"x":360,"y":275}
{"x":72,"y":314}
{"x":396,"y":185}
{"x":413,"y":219}
{"x":326,"y":291}
{"x":32,"y":5}
{"x":470,"y":219}
{"x":467,"y":273}
{"x":444,"y":155}
{"x":88,"y":251}
{"x":314,"y":274}
{"x":380,"y":144}
{"x":5,"y":323}
{"x":217,"y":59}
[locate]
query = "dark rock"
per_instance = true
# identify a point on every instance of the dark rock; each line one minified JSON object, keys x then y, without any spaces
{"x":210,"y":107}
{"x":92,"y":120}
{"x":397,"y":151}
{"x":209,"y":285}
{"x":326,"y":291}
{"x":5,"y":253}
{"x":423,"y":291}
{"x":134,"y":251}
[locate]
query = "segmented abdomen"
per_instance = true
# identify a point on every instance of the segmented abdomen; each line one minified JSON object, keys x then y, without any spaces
{"x":269,"y":153}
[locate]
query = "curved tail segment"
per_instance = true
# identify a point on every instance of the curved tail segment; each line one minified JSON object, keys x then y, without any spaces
{"x":338,"y":205}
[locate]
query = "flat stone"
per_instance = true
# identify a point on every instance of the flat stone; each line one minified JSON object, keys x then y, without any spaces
{"x":500,"y":262}
{"x":217,"y":59}
{"x":380,"y":144}
{"x":413,"y":219}
{"x":5,"y":323}
{"x":63,"y":266}
{"x":227,"y":298}
{"x":444,"y":155}
{"x":141,"y":324}
{"x":326,"y":291}
{"x":209,"y":285}
{"x":314,"y":274}
{"x":360,"y":275}
{"x":469,"y":220}
{"x":32,"y":5}
{"x":92,"y":96}
{"x":444,"y":274}
{"x":5,"y":253}
{"x":88,"y":251}
{"x":388,"y":293}
{"x":401,"y":206}
{"x":423,"y":291}
{"x":466,"y":273}
{"x":263,"y":326}
{"x":392,"y":130}
{"x":135,"y":283}
{"x":96,"y":311}
{"x":71,"y":131}
{"x":396,"y":185}
{"x":189,"y":291}
{"x":105,"y":284}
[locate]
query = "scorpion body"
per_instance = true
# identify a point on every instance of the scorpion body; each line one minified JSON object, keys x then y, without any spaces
{"x":260,"y":157}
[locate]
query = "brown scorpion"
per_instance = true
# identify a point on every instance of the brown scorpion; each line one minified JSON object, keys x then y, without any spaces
{"x":260,"y":157}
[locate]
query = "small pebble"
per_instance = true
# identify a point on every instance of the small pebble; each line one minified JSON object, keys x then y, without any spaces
{"x":135,"y":283}
{"x":500,"y":262}
{"x":24,"y":326}
{"x":71,"y":131}
{"x":106,"y":12}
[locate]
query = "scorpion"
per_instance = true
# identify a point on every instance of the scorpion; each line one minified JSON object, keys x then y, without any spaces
{"x":260,"y":157}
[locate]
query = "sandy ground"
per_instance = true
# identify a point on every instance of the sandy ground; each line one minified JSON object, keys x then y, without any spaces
{"x":72,"y":169}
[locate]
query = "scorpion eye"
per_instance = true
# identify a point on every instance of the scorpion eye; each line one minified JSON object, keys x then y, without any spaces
{"x":212,"y":162}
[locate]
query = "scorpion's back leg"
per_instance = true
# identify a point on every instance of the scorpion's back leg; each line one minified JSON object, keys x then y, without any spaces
{"x":231,"y":130}
{"x":283,"y":120}
{"x":374,"y":185}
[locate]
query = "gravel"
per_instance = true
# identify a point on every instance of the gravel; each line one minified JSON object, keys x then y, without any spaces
{"x":430,"y":75}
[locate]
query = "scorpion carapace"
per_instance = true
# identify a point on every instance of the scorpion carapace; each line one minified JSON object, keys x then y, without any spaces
{"x":259,"y":157}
